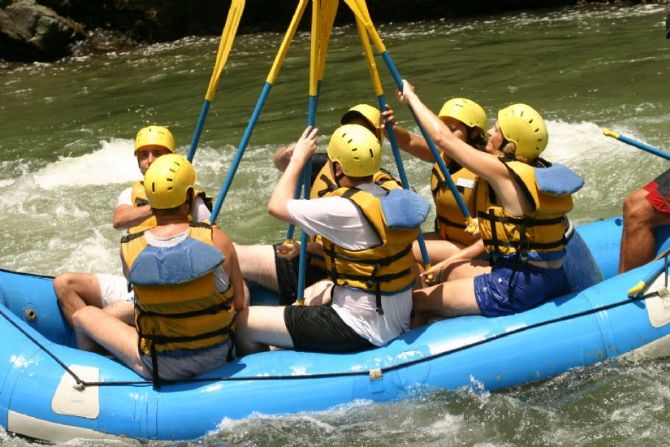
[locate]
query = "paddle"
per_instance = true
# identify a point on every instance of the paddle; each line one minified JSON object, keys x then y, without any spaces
{"x":359,"y":8}
{"x":316,"y":63}
{"x":638,"y":144}
{"x":379,"y":91}
{"x":260,"y":103}
{"x":225,"y":44}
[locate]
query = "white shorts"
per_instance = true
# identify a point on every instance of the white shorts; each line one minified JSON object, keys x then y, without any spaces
{"x":113,"y":288}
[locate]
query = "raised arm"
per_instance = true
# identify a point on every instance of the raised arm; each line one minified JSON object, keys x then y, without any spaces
{"x":284,"y":190}
{"x":407,"y":141}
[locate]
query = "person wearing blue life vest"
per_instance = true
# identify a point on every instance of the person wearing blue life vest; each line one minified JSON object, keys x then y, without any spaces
{"x":132,"y":213}
{"x":521,"y":205}
{"x":366,"y":229}
{"x":187,"y":287}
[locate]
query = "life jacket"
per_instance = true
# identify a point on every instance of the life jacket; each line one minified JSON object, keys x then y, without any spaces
{"x":387,"y":267}
{"x":324,"y":184}
{"x":177,"y":305}
{"x":540,"y":234}
{"x":449,"y":221}
{"x":139,"y":198}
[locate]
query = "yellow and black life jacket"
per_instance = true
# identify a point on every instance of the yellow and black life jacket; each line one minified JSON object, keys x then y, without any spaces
{"x":139,"y":198}
{"x":449,"y":221}
{"x":386,"y":268}
{"x":540,"y":234}
{"x":177,"y":305}
{"x":324,"y":184}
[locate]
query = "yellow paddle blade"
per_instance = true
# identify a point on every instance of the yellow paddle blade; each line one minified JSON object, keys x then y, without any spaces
{"x":286,"y":42}
{"x":225,"y":45}
{"x":360,"y":10}
{"x":328,"y":13}
{"x":370,"y":58}
{"x":314,"y":47}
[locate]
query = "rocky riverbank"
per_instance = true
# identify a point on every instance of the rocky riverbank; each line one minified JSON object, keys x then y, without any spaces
{"x":46,"y":30}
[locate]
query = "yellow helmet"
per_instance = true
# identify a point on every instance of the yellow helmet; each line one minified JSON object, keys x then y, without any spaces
{"x":356,"y":149}
{"x":522,"y":125}
{"x":467,"y":112}
{"x":168,"y":180}
{"x":371,"y":114}
{"x":154,"y":136}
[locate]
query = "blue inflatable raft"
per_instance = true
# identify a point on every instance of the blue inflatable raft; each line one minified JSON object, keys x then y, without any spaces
{"x":40,"y":368}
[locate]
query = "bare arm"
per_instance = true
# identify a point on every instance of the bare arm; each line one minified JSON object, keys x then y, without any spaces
{"x":468,"y":253}
{"x":483,"y":164}
{"x":126,"y":216}
{"x":285,"y":188}
{"x":230,"y":265}
{"x":408,"y":141}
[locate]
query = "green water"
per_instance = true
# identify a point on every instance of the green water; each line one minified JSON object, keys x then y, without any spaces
{"x":66,"y":134}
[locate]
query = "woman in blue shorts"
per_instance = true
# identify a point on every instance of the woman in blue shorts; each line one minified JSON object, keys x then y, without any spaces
{"x":521,"y":207}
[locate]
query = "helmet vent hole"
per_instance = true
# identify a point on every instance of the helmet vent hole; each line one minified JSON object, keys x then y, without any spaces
{"x":170,"y":188}
{"x":372,"y":154}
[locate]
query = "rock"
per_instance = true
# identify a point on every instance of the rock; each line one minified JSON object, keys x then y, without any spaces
{"x":32,"y":32}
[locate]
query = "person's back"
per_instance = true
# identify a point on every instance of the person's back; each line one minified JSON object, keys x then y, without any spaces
{"x":186,"y":282}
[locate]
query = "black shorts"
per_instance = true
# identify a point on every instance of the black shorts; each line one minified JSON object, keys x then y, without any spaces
{"x":287,"y":276}
{"x":320,"y":329}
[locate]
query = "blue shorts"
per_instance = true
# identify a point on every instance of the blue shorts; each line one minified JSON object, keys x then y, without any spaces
{"x":514,"y":286}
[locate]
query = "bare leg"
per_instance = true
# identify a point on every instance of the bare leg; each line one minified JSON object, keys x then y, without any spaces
{"x":448,"y":299}
{"x":638,"y":245}
{"x":260,"y":326}
{"x":111,"y":333}
{"x":257,"y":263}
{"x":123,"y":311}
{"x":77,"y":290}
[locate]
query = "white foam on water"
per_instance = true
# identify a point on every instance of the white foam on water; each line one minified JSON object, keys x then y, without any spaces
{"x":112,"y":163}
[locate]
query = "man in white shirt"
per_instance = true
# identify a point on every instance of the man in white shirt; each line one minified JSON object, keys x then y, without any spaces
{"x":133,"y":213}
{"x":275,"y":267}
{"x":367,"y":235}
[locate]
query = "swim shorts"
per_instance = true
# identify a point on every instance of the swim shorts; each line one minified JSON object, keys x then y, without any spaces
{"x":320,"y":329}
{"x":113,"y":288}
{"x":287,"y":276}
{"x":659,"y":193}
{"x":514,"y":286}
{"x":183,"y":364}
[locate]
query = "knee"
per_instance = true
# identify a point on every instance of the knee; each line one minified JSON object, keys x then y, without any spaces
{"x":64,"y":283}
{"x":79,"y":318}
{"x":636,"y":209}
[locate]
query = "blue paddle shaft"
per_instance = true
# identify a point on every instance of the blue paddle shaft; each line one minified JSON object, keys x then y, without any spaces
{"x":401,"y":172}
{"x":198,"y":130}
{"x":438,"y":159}
{"x":645,"y":147}
{"x":240,"y":151}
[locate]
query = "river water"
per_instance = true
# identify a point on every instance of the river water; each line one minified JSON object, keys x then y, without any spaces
{"x":66,"y":132}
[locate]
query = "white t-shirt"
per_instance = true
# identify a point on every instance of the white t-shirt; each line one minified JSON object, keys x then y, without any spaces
{"x":199,"y":211}
{"x":340,"y":221}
